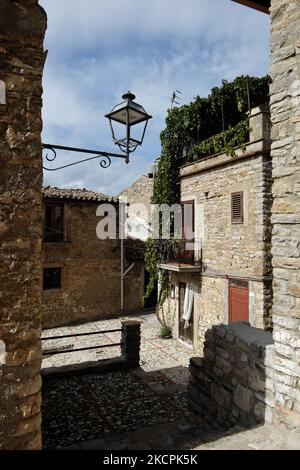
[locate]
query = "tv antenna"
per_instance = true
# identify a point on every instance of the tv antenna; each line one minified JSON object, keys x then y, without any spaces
{"x":175,"y":97}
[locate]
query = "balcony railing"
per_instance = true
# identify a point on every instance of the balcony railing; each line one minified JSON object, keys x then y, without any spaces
{"x":182,"y":252}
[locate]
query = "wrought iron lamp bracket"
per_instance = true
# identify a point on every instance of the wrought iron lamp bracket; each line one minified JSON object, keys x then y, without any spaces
{"x":105,"y":157}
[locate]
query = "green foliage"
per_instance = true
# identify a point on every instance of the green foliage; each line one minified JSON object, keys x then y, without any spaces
{"x":151,"y":261}
{"x":155,"y":251}
{"x":228,"y":140}
{"x":165,"y":332}
{"x":195,"y":131}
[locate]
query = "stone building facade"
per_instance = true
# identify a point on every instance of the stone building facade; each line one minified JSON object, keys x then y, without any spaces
{"x":81,"y":272}
{"x":140,"y":192}
{"x":234,"y":259}
{"x":22,"y":57}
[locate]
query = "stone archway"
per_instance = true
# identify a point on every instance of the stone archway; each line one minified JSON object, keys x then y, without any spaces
{"x":22,"y":57}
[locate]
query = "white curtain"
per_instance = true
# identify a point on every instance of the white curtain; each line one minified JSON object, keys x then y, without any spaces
{"x":188,"y":305}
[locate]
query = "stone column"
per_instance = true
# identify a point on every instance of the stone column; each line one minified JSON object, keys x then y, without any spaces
{"x":22,"y":29}
{"x":285,"y":116}
{"x":131,"y":342}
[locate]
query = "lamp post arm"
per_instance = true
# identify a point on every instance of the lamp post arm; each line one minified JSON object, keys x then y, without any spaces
{"x":104,"y":163}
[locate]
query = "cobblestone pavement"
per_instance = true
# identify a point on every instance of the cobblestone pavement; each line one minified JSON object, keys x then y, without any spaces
{"x":94,"y":406}
{"x":142,"y":409}
{"x":155,"y":352}
{"x":139,"y":410}
{"x":97,"y":406}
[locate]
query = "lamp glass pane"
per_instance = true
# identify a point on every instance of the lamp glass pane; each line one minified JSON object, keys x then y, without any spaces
{"x":120,"y":116}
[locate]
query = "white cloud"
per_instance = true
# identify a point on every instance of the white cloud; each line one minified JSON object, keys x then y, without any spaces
{"x":96,"y":22}
{"x":100,"y":48}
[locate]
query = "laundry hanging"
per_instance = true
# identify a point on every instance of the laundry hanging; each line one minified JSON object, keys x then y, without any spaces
{"x":188,"y":305}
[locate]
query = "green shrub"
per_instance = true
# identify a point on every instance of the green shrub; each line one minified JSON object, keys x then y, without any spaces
{"x":165,"y":332}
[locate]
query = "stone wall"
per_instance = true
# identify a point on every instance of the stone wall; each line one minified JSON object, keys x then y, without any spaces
{"x":285,"y":116}
{"x":233,"y":383}
{"x":22,"y":28}
{"x":90,"y":270}
{"x":140,"y":192}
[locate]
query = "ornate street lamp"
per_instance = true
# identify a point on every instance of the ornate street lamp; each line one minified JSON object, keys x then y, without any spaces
{"x":128,"y":113}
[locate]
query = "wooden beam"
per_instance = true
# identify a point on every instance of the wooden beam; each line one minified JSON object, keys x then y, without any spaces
{"x":252,"y":4}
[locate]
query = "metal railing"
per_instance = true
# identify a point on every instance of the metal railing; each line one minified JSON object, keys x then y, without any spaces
{"x":63,"y":351}
{"x":181,"y":253}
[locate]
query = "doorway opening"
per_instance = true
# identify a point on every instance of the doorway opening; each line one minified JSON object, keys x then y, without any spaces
{"x":151,"y":301}
{"x":185,"y":334}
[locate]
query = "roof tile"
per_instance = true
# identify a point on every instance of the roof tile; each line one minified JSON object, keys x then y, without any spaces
{"x":75,"y":194}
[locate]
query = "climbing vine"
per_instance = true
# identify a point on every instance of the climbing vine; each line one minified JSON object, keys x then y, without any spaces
{"x":209,"y":125}
{"x":227,"y":141}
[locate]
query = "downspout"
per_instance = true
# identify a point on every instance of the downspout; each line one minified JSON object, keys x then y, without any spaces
{"x":122,"y":271}
{"x":123,"y":274}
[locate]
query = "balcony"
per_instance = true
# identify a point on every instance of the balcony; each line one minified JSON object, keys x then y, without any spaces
{"x":181,"y":258}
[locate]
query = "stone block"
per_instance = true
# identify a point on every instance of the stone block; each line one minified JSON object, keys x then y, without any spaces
{"x":243,"y":398}
{"x":266,"y":397}
{"x":257,"y":383}
{"x":224,"y":365}
{"x":221,"y":396}
{"x":209,"y":354}
{"x":241,"y":376}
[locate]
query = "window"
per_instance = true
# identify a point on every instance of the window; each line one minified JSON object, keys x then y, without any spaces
{"x":52,"y":278}
{"x":237,"y":208}
{"x":54,"y":223}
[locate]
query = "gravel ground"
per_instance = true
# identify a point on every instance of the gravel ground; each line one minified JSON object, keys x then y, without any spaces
{"x":90,"y":407}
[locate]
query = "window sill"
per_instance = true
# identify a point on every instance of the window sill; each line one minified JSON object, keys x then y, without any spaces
{"x":53,"y":289}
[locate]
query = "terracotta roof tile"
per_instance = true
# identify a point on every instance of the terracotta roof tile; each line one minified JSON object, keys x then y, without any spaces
{"x":75,"y":194}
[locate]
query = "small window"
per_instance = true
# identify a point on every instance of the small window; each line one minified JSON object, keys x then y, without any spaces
{"x":54,"y":223}
{"x":237,"y":208}
{"x":52,"y":278}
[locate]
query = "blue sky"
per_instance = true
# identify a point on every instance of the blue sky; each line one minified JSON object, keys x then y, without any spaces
{"x":98,"y":49}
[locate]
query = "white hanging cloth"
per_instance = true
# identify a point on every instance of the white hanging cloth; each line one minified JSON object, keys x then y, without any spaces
{"x":188,"y":305}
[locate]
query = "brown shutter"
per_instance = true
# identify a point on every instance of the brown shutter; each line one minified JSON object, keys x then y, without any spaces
{"x":237,"y":208}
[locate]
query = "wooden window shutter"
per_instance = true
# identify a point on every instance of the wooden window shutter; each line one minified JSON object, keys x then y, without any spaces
{"x":237,"y":208}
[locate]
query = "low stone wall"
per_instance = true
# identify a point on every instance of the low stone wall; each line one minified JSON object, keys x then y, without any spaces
{"x":232,"y":384}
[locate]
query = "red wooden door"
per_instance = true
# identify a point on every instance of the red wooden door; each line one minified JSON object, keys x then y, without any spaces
{"x":238,"y":300}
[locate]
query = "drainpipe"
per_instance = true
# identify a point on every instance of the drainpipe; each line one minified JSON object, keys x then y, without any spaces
{"x":123,"y":274}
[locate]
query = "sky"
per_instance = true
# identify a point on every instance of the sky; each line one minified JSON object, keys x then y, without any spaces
{"x":99,"y":49}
